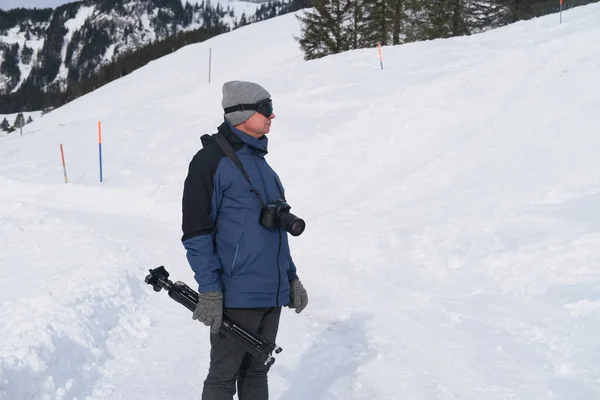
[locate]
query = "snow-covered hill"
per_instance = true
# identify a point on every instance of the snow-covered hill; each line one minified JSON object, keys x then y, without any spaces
{"x":451,"y":201}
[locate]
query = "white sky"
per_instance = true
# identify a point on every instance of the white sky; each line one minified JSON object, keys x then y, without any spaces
{"x":8,"y":4}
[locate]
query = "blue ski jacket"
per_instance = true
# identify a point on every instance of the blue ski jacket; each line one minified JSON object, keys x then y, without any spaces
{"x":227,"y":247}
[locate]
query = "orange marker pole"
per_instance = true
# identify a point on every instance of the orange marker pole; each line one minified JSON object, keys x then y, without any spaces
{"x":100,"y":147}
{"x":561,"y":11}
{"x":380,"y":57}
{"x":62,"y":155}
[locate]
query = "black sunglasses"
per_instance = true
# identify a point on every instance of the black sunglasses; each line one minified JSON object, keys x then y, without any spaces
{"x":264,"y":107}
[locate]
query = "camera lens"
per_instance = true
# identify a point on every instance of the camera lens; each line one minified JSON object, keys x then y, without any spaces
{"x":292,"y":224}
{"x":297,"y":227}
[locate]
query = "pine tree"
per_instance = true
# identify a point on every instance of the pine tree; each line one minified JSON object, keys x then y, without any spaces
{"x":26,"y":54}
{"x":443,"y":19}
{"x":29,"y":120}
{"x":515,"y":10}
{"x":458,"y":13}
{"x":19,"y":121}
{"x":386,"y":21}
{"x":4,"y":125}
{"x":10,"y":65}
{"x":376,"y":14}
{"x":482,"y":14}
{"x":357,"y":28}
{"x":243,"y":20}
{"x":323,"y":31}
{"x":396,"y":19}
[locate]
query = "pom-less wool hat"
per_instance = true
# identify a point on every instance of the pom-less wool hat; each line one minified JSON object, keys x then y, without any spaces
{"x":241,"y":92}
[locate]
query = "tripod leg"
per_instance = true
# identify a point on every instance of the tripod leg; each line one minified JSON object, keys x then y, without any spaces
{"x":253,"y":377}
{"x":259,"y":341}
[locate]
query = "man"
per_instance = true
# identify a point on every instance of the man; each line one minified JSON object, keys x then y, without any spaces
{"x":239,"y":264}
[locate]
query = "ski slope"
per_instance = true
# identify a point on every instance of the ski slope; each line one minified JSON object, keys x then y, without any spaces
{"x":451,"y":201}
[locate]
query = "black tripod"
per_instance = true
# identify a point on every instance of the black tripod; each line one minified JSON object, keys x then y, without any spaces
{"x":183,"y":294}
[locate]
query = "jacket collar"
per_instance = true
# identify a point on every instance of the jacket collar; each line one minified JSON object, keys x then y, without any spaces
{"x":258,"y":145}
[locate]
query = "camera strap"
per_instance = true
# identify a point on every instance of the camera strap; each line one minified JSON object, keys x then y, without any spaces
{"x":230,"y":153}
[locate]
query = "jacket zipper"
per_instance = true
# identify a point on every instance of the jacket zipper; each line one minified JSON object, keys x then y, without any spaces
{"x":278,"y":269}
{"x":262,"y":179}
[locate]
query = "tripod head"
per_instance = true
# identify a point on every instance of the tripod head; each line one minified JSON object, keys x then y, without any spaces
{"x":158,"y":279}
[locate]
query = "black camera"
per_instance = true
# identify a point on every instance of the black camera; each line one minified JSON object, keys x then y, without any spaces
{"x":278,"y":215}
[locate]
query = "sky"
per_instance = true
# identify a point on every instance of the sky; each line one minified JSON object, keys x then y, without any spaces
{"x":8,"y":4}
{"x":451,"y":202}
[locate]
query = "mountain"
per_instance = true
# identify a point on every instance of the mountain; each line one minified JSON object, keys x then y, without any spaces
{"x":46,"y":51}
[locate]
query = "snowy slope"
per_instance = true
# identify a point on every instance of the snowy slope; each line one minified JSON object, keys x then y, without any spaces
{"x":11,"y":119}
{"x":452,"y":219}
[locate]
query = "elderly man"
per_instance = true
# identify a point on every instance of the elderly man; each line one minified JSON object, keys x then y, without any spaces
{"x":235,"y":226}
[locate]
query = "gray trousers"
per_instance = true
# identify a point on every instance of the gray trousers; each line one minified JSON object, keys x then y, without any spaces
{"x":231,"y":364}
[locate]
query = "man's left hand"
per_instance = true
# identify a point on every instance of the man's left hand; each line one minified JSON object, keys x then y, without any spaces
{"x":298,"y":296}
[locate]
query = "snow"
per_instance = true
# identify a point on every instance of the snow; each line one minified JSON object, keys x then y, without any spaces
{"x":11,"y":118}
{"x":238,"y":7}
{"x":451,"y":200}
{"x":13,"y":36}
{"x":109,"y":53}
{"x":73,"y":25}
{"x":147,"y":27}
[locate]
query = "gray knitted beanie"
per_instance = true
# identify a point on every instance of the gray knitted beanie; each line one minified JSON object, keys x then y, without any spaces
{"x":241,"y":92}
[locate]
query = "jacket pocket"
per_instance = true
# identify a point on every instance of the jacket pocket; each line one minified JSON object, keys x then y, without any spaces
{"x":239,"y":248}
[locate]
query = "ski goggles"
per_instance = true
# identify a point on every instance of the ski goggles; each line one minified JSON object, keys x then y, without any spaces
{"x":264,"y":107}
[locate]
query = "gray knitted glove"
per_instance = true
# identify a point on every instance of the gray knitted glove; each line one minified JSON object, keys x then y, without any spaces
{"x":209,"y":310}
{"x":298,"y":296}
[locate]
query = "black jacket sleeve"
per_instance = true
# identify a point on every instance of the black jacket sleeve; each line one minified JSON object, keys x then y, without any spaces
{"x":200,"y":200}
{"x":198,"y":197}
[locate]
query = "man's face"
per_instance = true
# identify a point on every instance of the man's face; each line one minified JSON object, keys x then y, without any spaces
{"x":257,"y":125}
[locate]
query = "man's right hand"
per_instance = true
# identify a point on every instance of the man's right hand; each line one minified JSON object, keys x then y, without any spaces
{"x":209,"y":310}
